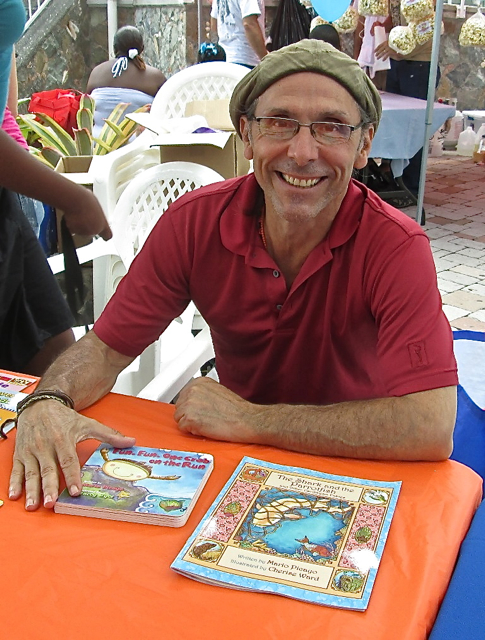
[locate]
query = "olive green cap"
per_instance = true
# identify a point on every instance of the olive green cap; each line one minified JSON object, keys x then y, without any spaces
{"x":315,"y":56}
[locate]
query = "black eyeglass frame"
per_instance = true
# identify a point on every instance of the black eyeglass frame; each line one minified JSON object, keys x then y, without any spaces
{"x":282,"y":136}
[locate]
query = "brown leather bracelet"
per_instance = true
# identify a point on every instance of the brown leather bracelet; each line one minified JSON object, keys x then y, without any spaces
{"x":44,"y":394}
{"x":36,"y":396}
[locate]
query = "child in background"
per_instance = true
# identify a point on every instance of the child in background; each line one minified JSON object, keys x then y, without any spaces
{"x":210,"y":52}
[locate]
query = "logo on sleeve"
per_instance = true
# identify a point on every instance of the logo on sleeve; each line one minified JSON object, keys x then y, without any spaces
{"x":417,"y":353}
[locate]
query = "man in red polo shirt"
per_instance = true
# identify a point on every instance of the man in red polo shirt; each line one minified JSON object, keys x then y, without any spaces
{"x":321,"y":299}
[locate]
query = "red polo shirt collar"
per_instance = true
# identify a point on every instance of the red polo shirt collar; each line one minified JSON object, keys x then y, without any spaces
{"x":239,"y":227}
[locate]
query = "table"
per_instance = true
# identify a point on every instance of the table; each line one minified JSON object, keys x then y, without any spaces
{"x":400,"y":133}
{"x":72,"y":577}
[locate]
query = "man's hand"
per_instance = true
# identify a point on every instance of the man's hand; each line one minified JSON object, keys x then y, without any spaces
{"x":47,"y":434}
{"x":383,"y":51}
{"x":206,"y":408}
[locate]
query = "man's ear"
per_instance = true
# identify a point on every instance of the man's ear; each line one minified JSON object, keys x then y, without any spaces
{"x":244,"y":126}
{"x":364,"y":148}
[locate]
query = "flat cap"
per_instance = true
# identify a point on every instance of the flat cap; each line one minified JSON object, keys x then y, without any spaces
{"x":315,"y":56}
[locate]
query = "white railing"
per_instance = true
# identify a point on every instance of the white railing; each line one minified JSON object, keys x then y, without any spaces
{"x":32,"y":8}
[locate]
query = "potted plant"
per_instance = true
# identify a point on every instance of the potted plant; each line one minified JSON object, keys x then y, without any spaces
{"x":50,"y":142}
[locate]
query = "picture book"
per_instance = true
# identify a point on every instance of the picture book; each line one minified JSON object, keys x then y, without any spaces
{"x":293,"y":532}
{"x":138,"y":484}
{"x":13,"y":388}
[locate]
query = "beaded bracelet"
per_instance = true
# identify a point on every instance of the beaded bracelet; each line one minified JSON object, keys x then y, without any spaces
{"x":36,"y":396}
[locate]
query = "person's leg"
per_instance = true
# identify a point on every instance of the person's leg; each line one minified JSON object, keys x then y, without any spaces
{"x":414,"y":83}
{"x":392,"y":77}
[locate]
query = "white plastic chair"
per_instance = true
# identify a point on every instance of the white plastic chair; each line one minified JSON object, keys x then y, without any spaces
{"x":148,"y":196}
{"x":137,"y":211}
{"x":207,"y":81}
{"x":112,"y":173}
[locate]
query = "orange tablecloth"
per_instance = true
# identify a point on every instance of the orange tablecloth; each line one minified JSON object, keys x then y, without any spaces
{"x":75,"y":578}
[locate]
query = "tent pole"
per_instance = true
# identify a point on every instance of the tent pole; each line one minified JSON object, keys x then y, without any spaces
{"x":429,"y":106}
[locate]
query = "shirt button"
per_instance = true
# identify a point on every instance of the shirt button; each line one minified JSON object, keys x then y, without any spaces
{"x":279,"y":307}
{"x":276,"y":273}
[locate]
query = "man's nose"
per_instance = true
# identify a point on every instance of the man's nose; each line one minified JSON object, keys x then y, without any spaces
{"x":303,"y":147}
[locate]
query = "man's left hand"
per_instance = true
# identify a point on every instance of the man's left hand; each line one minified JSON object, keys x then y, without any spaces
{"x":207,"y":408}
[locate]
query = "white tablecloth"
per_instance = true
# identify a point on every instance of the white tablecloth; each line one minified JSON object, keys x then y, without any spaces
{"x":401,"y":131}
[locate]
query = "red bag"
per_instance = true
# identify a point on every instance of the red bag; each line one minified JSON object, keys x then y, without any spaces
{"x":60,"y":104}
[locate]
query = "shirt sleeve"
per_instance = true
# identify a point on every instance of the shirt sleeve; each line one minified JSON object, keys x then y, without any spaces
{"x":415,"y":341}
{"x":249,"y":8}
{"x":150,"y":296}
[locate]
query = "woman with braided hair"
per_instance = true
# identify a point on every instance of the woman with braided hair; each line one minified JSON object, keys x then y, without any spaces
{"x":127,"y":79}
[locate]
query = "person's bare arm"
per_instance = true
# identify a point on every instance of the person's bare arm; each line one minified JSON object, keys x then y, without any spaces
{"x":254,"y":35}
{"x":21,"y":172}
{"x":418,"y":426}
{"x":13,"y":88}
{"x":47,"y":431}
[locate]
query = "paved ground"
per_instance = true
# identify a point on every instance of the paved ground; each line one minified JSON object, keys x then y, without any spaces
{"x":455,"y":223}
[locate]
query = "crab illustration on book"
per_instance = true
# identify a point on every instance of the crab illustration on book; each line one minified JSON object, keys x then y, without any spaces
{"x":254,"y":474}
{"x":129,"y":470}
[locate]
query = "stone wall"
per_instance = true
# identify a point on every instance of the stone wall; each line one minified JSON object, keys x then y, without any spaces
{"x":61,"y":49}
{"x":462,"y":77}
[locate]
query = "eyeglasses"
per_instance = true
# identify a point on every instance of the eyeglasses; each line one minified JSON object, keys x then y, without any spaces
{"x":323,"y":132}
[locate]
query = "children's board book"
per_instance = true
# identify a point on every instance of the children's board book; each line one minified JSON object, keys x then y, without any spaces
{"x":14,"y":387}
{"x":138,"y":484}
{"x":293,"y":532}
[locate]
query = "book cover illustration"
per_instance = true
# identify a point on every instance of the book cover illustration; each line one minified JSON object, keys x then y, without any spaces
{"x":294,"y":532}
{"x":157,"y":486}
{"x":13,"y":388}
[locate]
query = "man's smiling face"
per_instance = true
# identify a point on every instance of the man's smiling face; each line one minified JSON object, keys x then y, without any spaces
{"x":302,"y":178}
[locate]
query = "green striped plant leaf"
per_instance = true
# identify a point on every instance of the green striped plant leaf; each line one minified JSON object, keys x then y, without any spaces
{"x":84,"y":142}
{"x":48,"y":137}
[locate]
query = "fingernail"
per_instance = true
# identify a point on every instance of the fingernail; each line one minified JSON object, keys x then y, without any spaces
{"x":73,"y":489}
{"x":29,"y":503}
{"x":11,"y":493}
{"x":47,"y":500}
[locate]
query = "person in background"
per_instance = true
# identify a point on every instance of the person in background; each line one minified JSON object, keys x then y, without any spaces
{"x":35,"y":322}
{"x":127,"y":79}
{"x":326,"y":33}
{"x":239,"y":25}
{"x":322,"y":301}
{"x":211,"y":52}
{"x":408,"y":76}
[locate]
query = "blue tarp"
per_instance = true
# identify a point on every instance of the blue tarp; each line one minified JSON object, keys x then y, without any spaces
{"x":469,"y":435}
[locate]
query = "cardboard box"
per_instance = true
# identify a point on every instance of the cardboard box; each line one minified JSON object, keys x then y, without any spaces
{"x":216,"y":112}
{"x":223,"y":152}
{"x":74,"y":168}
